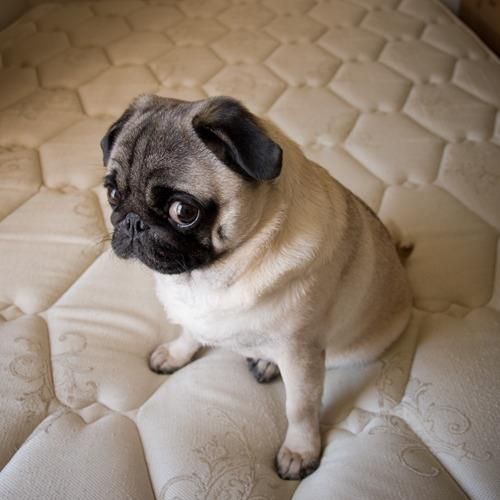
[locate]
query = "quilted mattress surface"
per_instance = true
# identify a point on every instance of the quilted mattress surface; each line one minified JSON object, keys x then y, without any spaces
{"x":396,"y":99}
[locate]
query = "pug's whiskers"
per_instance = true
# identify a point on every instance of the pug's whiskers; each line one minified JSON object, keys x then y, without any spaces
{"x":101,"y":241}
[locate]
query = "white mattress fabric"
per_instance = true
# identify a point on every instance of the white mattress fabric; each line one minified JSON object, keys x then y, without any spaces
{"x":395,"y":98}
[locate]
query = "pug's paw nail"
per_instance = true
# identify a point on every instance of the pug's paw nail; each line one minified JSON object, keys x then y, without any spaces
{"x":263,"y":371}
{"x":161,"y":361}
{"x":294,"y":465}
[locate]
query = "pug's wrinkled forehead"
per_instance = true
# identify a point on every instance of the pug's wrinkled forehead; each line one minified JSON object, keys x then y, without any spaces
{"x":172,"y":142}
{"x":153,"y":143}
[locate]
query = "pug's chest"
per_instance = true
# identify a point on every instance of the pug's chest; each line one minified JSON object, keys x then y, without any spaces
{"x":218,"y":318}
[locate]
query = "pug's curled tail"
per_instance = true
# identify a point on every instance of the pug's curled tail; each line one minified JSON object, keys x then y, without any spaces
{"x":404,"y":246}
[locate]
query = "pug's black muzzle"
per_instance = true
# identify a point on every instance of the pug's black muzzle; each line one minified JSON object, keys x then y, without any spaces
{"x":128,"y":234}
{"x":133,"y":238}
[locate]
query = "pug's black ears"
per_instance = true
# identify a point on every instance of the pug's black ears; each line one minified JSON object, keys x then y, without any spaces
{"x":110,"y":137}
{"x":235,"y":136}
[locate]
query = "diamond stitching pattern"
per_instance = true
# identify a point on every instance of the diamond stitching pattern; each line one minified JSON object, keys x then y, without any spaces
{"x":393,"y":97}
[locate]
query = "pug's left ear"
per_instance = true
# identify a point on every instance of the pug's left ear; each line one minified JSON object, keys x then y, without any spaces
{"x":236,"y":137}
{"x":113,"y":132}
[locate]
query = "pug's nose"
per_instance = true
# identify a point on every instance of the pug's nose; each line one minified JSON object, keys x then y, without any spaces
{"x":134,"y":224}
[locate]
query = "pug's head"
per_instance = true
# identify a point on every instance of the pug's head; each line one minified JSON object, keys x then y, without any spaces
{"x":187,"y":181}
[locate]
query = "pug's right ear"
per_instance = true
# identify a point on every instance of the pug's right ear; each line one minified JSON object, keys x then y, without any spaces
{"x":113,"y":132}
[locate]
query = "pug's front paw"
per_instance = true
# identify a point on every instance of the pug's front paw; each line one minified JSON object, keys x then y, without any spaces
{"x":295,"y":465}
{"x":162,"y":360}
{"x":263,"y":371}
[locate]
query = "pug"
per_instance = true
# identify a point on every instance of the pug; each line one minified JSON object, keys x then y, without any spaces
{"x":254,"y":248}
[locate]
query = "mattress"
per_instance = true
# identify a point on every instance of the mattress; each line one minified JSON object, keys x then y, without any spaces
{"x":398,"y":100}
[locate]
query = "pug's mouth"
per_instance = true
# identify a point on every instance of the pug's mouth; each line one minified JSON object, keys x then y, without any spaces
{"x":160,"y":258}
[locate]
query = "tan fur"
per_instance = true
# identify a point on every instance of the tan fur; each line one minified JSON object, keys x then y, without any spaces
{"x":309,"y":279}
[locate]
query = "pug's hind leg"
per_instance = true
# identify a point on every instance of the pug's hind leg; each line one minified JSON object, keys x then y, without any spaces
{"x":263,"y":371}
{"x":169,"y":357}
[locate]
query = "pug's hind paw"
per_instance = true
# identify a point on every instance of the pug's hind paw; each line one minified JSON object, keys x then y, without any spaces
{"x":294,"y":465}
{"x":263,"y":371}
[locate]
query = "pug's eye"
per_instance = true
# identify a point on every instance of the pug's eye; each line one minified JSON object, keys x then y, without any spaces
{"x":113,"y":196}
{"x":183,"y":214}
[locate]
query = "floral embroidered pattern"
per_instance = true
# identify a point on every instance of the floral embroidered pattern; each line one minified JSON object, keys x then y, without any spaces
{"x":392,"y":369}
{"x":443,"y":427}
{"x":231,"y":471}
{"x":34,"y":368}
{"x":410,"y":454}
{"x":67,"y":371}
